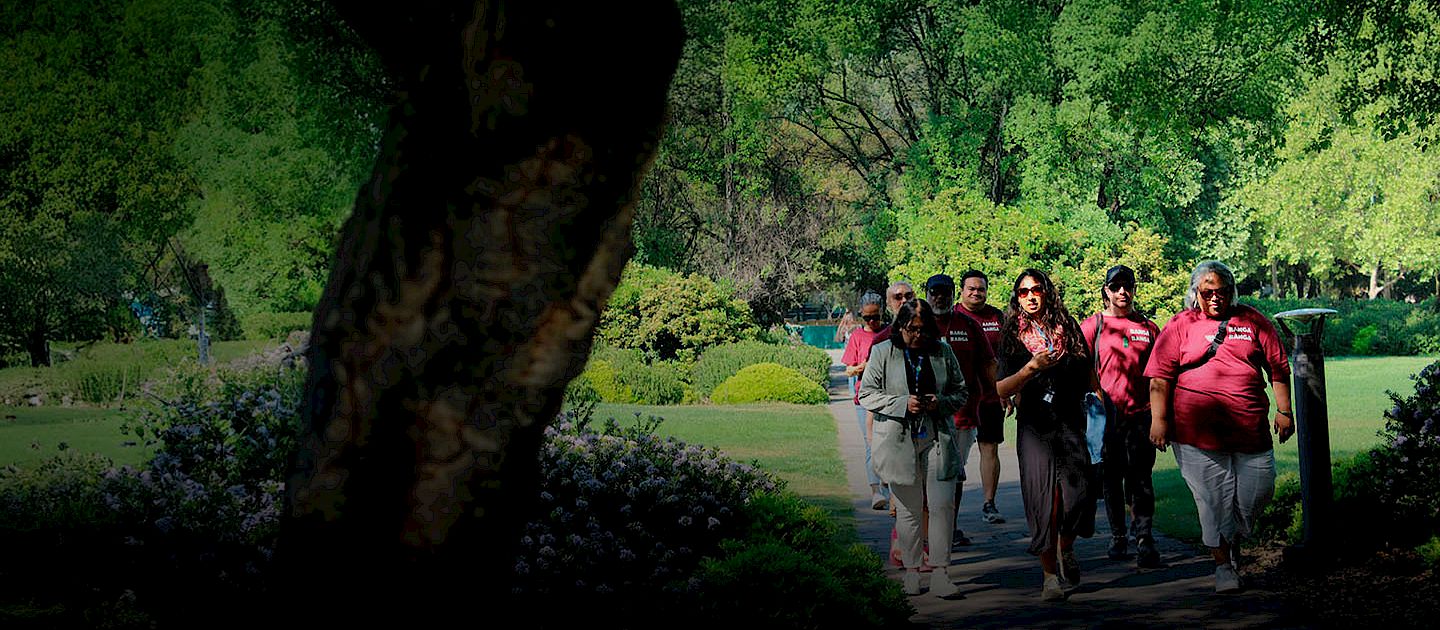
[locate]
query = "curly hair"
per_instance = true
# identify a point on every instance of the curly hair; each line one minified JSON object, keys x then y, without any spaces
{"x":1053,"y":314}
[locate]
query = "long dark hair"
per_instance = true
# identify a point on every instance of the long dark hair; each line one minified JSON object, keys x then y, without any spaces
{"x":908,"y":311}
{"x":1053,"y":314}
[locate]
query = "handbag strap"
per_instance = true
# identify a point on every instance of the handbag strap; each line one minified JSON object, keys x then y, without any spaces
{"x":1209,"y":352}
{"x":1099,"y":326}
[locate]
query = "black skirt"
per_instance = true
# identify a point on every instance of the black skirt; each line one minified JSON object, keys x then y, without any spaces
{"x":1050,"y":444}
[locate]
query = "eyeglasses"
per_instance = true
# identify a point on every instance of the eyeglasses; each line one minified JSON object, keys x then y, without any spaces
{"x":870,"y":318}
{"x":901,"y":297}
{"x":914,"y":330}
{"x":1024,"y":292}
{"x":1116,"y":287}
{"x":1206,"y":294}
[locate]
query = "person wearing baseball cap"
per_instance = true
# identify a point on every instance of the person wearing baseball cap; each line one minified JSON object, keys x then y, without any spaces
{"x":977,"y":364}
{"x":1120,"y":339}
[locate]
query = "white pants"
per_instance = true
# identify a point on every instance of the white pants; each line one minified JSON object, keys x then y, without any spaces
{"x":1230,"y":489}
{"x":910,"y":503}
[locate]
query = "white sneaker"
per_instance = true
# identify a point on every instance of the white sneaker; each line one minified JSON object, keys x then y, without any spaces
{"x":1052,"y":591}
{"x":878,"y":501}
{"x":912,"y":582}
{"x":940,"y":584}
{"x":1226,"y":579}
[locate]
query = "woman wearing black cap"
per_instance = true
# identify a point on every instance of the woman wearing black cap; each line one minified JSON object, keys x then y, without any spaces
{"x":1120,"y":339}
{"x":1045,"y":365}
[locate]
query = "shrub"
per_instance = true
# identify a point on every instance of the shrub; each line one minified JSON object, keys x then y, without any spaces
{"x":769,"y":382}
{"x":669,"y":316}
{"x":811,"y":580}
{"x":188,"y":532}
{"x":625,"y":519}
{"x":722,"y":362}
{"x":1400,"y":478}
{"x":1368,"y":327}
{"x":622,"y":376}
{"x":1409,"y":465}
{"x":275,"y":326}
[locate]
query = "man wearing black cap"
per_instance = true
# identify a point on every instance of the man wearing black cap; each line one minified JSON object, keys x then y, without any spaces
{"x":977,"y":364}
{"x":1120,"y":339}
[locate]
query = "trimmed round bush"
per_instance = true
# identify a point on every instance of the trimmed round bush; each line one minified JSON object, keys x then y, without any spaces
{"x":769,"y":382}
{"x":722,"y":362}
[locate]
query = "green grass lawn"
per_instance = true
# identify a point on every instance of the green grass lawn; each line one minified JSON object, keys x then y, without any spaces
{"x":797,"y":443}
{"x":1356,"y":401}
{"x":31,"y":434}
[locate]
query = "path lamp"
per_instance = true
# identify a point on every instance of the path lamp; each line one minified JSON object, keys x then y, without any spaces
{"x":1302,"y":330}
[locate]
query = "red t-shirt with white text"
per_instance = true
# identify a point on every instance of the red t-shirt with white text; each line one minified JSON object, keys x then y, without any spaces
{"x":989,"y":319}
{"x":1125,"y":344}
{"x":974,"y":353}
{"x":1220,"y":405}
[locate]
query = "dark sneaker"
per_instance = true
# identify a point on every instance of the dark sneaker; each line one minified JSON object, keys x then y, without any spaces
{"x":1147,"y":556}
{"x":991,"y":515}
{"x":959,"y":539}
{"x":1119,"y":548}
{"x":1069,"y":568}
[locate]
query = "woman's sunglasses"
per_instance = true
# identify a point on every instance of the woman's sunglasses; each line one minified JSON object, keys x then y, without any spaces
{"x":1024,"y":292}
{"x":870,"y":318}
{"x":1206,"y":294}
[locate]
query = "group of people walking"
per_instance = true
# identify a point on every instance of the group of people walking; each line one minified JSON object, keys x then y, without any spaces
{"x":944,"y":375}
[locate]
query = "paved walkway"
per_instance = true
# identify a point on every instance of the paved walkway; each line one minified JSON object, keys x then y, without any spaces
{"x":1000,"y":581}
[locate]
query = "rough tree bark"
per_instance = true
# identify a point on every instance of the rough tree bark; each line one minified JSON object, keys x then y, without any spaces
{"x":465,"y":293}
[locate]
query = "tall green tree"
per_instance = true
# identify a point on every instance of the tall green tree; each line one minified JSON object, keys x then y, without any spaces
{"x":89,"y":186}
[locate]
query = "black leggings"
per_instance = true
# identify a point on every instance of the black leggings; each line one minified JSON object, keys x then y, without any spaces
{"x":1129,"y":458}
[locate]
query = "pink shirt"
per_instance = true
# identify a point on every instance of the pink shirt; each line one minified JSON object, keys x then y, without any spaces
{"x":1220,"y":405}
{"x":973,"y":351}
{"x":1124,"y":349}
{"x":989,"y":319}
{"x":857,"y":350}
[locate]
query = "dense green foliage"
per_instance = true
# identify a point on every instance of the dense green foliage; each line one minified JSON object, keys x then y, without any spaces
{"x":105,"y":374}
{"x":275,"y":326}
{"x":722,"y":362}
{"x":768,"y":382}
{"x":618,"y":375}
{"x":671,"y":316}
{"x":1377,"y":327}
{"x":142,"y":139}
{"x":1293,"y":140}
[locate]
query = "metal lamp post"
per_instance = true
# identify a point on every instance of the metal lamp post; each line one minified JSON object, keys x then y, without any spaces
{"x":1303,"y":330}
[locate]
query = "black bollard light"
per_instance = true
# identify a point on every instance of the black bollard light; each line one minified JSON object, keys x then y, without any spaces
{"x":1303,"y":330}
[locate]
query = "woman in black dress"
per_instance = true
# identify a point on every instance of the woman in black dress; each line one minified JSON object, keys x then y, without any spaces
{"x":1045,"y":366}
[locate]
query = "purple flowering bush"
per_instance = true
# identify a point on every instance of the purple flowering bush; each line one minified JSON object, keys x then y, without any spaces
{"x":1408,"y":463}
{"x":625,"y":513}
{"x":1400,"y":478}
{"x":649,"y":529}
{"x":188,"y":530}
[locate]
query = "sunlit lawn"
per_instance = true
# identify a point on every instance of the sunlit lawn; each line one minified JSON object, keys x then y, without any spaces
{"x":796,"y":442}
{"x":31,"y":434}
{"x":1356,"y":401}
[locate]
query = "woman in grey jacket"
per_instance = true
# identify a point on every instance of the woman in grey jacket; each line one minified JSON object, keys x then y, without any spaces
{"x":913,"y":385}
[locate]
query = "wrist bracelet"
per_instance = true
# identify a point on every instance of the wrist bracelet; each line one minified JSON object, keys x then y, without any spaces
{"x":1287,"y":414}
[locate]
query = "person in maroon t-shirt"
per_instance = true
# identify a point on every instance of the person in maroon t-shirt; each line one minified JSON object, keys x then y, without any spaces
{"x":974,"y":288}
{"x":977,"y":363}
{"x":1121,"y":349}
{"x":1207,"y":397}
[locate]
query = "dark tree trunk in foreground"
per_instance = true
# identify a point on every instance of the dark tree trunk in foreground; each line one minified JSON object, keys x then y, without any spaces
{"x":465,"y":294}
